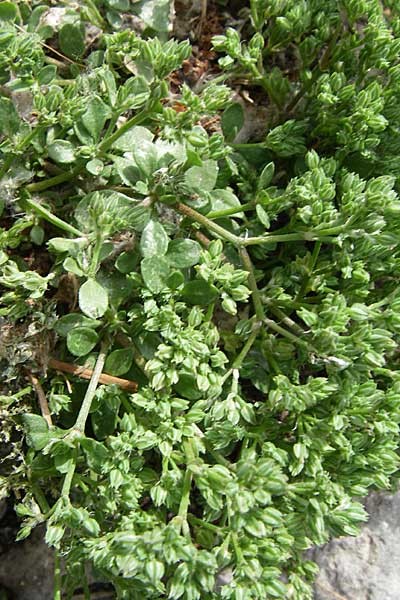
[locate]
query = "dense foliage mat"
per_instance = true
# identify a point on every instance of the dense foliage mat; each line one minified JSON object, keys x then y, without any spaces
{"x":234,"y":302}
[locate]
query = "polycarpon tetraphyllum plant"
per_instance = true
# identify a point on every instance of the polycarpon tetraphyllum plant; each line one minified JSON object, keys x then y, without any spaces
{"x":200,"y":331}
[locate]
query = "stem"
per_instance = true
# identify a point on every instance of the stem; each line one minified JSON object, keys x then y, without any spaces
{"x":303,"y":288}
{"x":248,"y":265}
{"x":287,"y":334}
{"x":139,"y":118}
{"x":196,"y":216}
{"x":48,"y":216}
{"x":226,"y":212}
{"x":246,"y":348}
{"x":195,"y":521}
{"x":95,"y":256}
{"x":91,"y":389}
{"x":69,"y":476}
{"x":286,"y":320}
{"x":48,"y":183}
{"x":57,"y":576}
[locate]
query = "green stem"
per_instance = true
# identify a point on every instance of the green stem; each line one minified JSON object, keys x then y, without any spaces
{"x":57,"y":576}
{"x":286,"y":320}
{"x":314,"y":257}
{"x":216,"y":214}
{"x":246,"y":348}
{"x":195,"y":521}
{"x":40,"y":498}
{"x":287,"y":334}
{"x":39,"y":186}
{"x":248,"y":265}
{"x":66,"y":488}
{"x":91,"y":389}
{"x":139,"y":118}
{"x":48,"y":216}
{"x":196,"y":216}
{"x":94,"y":263}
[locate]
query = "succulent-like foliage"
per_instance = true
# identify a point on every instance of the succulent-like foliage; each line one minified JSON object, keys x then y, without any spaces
{"x":251,"y":290}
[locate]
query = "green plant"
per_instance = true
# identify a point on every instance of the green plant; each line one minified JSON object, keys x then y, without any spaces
{"x":252,"y":297}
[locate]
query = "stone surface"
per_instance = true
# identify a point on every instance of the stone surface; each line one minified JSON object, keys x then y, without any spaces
{"x":366,"y":567}
{"x":26,"y":568}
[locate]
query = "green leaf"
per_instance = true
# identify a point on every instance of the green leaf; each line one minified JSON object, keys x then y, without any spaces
{"x":156,"y":14}
{"x":119,"y":362}
{"x":8,"y":11}
{"x":266,"y":176}
{"x":154,"y":240}
{"x":36,"y":431}
{"x":145,"y":155}
{"x":96,"y":454}
{"x":47,"y":74}
{"x":95,"y":166}
{"x":104,"y":418}
{"x":127,"y":262}
{"x":183,"y":253}
{"x":224,"y":199}
{"x":155,"y":271}
{"x":132,"y":138}
{"x":95,"y":116}
{"x":81,"y":340}
{"x":9,"y":119}
{"x":199,"y":292}
{"x":202,"y":179}
{"x":232,"y":121}
{"x":68,"y":322}
{"x":263,"y":216}
{"x":61,"y":151}
{"x":93,"y":299}
{"x":71,"y":40}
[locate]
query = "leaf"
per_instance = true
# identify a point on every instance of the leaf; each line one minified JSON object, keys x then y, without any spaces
{"x":266,"y":176}
{"x":263,"y":216}
{"x":224,"y":199}
{"x":47,"y":74}
{"x":232,"y":121}
{"x":154,"y":240}
{"x":95,"y":116}
{"x":156,"y":14}
{"x":71,"y":40}
{"x":183,"y":253}
{"x":132,"y":138}
{"x":202,"y":179}
{"x":61,"y":151}
{"x":119,"y":362}
{"x":8,"y":11}
{"x":96,"y":454}
{"x":199,"y":292}
{"x":93,"y":299}
{"x":155,"y":271}
{"x":68,"y":322}
{"x":104,"y":418}
{"x":36,"y":431}
{"x":9,"y":119}
{"x":81,"y":340}
{"x":145,"y":156}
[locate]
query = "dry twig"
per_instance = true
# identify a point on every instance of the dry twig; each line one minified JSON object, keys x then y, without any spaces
{"x":84,"y":373}
{"x":44,"y":407}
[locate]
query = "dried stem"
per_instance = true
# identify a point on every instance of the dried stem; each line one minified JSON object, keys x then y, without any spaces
{"x":85,"y":373}
{"x":44,"y":407}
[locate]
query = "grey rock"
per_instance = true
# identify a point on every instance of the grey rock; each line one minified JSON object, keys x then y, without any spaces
{"x":26,"y":569}
{"x":366,"y":567}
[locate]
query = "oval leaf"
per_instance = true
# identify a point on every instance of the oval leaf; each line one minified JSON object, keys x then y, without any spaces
{"x":93,"y":299}
{"x":183,"y":253}
{"x":81,"y":340}
{"x":154,"y":241}
{"x":155,"y":271}
{"x":119,"y":362}
{"x":199,"y":292}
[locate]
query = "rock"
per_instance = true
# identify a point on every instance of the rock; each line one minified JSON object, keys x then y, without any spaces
{"x":26,"y":569}
{"x":365,"y":567}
